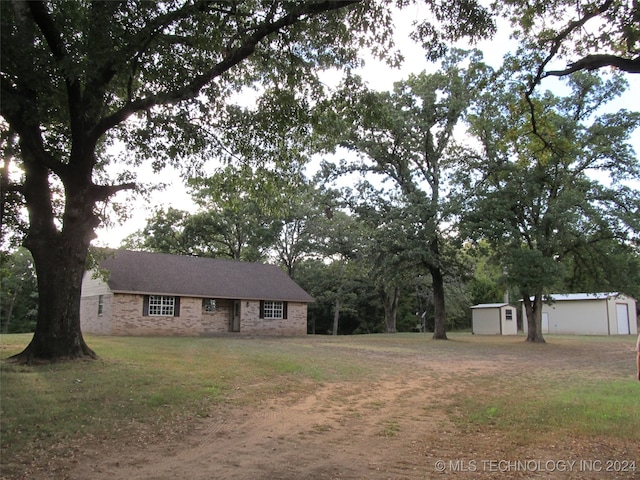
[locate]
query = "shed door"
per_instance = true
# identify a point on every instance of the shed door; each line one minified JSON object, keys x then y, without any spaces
{"x":545,"y":322}
{"x":622,"y":313}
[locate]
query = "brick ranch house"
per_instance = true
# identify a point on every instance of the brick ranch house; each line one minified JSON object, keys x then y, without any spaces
{"x":141,"y":293}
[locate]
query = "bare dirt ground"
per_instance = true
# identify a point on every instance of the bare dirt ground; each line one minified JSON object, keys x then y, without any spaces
{"x":395,"y":427}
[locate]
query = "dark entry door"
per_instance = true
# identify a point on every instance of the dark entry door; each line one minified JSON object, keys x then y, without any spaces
{"x":235,"y":316}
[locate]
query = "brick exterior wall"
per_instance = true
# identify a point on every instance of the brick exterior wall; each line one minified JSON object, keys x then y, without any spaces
{"x":295,"y":324}
{"x":93,"y":322}
{"x":124,"y":316}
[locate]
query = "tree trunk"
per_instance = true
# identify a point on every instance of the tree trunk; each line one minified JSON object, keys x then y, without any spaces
{"x":437,"y":279}
{"x":534,"y":317}
{"x":59,"y":259}
{"x":390,"y":308}
{"x":7,"y":321}
{"x":336,"y":317}
{"x":336,"y":312}
{"x":440,"y":317}
{"x":58,"y":336}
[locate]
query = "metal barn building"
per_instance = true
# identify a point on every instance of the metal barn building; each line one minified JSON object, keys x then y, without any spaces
{"x":588,"y":314}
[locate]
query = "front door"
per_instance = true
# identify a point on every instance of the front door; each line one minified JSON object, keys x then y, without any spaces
{"x":235,"y":316}
{"x":545,"y":322}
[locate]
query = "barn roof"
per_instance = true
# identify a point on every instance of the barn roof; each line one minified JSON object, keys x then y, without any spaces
{"x":164,"y":274}
{"x":559,"y":297}
{"x":563,"y":297}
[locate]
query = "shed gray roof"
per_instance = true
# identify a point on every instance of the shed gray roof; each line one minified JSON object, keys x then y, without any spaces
{"x":490,"y":305}
{"x":164,"y":274}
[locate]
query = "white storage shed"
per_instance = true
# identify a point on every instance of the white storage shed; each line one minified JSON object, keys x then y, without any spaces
{"x":607,"y":313}
{"x":494,"y":319}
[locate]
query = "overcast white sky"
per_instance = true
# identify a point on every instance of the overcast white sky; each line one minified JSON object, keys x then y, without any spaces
{"x":379,"y":77}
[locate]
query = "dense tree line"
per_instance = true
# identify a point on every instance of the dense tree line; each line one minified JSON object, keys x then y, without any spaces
{"x":517,"y":213}
{"x":19,"y":299}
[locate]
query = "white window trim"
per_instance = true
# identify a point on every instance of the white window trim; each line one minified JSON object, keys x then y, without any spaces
{"x":162,"y":306}
{"x":273,"y":310}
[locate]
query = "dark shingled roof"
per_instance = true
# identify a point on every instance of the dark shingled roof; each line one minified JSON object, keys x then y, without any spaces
{"x":164,"y":274}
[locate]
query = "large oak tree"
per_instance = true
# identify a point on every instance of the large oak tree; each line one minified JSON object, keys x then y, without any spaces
{"x":544,"y":199}
{"x":76,"y":75}
{"x":406,"y":137}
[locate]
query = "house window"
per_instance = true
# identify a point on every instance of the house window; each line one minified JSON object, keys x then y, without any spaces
{"x":273,"y":309}
{"x":162,"y":306}
{"x":209,"y":305}
{"x":508,"y":314}
{"x":100,"y":304}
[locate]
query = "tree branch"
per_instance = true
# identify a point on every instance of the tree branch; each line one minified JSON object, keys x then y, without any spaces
{"x":231,"y":59}
{"x":593,"y":62}
{"x":30,"y":135}
{"x":53,"y":37}
{"x":106,"y":70}
{"x":556,"y":44}
{"x":561,"y":37}
{"x":47,"y":26}
{"x":101,"y":193}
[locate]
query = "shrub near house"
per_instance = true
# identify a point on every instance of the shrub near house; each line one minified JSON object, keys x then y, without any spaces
{"x":161,"y":294}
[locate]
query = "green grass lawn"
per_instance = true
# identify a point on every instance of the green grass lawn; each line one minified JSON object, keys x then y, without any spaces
{"x":149,"y":380}
{"x":585,"y":385}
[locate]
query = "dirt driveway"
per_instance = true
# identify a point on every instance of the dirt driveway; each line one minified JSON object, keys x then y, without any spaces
{"x":393,"y":427}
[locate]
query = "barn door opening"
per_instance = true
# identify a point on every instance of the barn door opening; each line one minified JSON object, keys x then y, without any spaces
{"x":622,"y":313}
{"x":234,"y":324}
